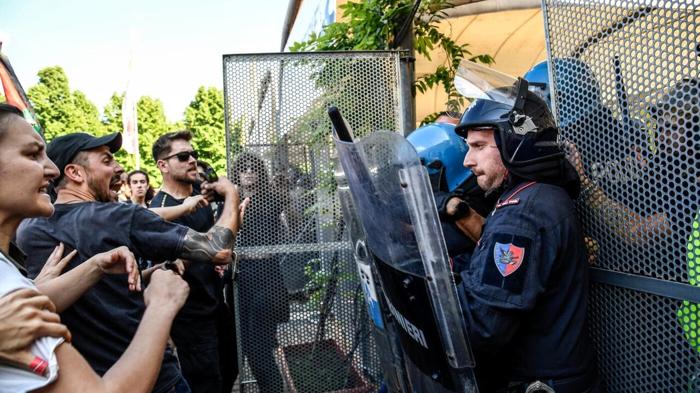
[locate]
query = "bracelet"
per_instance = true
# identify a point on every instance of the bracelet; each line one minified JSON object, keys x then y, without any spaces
{"x":39,"y":366}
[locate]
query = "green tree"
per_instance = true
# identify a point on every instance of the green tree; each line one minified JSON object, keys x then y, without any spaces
{"x":152,"y":123}
{"x":375,"y":25}
{"x":61,"y":110}
{"x":205,"y":118}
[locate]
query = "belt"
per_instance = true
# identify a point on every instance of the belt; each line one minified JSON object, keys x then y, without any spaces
{"x":586,"y":383}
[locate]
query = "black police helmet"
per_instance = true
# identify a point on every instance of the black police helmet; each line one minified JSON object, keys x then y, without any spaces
{"x":525,"y":132}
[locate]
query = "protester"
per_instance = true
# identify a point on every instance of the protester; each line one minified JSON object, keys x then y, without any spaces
{"x":55,"y":365}
{"x":104,"y":320}
{"x":142,"y":193}
{"x":208,"y":354}
{"x":141,"y":190}
{"x":261,"y":308}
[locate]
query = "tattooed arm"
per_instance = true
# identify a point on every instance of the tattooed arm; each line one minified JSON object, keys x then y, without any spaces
{"x":214,"y":246}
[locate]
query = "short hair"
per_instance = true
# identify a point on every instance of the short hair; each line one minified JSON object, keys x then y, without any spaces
{"x":136,"y":172}
{"x":6,"y":113}
{"x":80,"y":159}
{"x":161,"y":147}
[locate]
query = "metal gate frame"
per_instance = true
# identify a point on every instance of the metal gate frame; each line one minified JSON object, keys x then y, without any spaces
{"x":274,"y":103}
{"x":637,"y":52}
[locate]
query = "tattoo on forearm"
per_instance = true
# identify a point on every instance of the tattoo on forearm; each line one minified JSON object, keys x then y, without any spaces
{"x":205,"y":247}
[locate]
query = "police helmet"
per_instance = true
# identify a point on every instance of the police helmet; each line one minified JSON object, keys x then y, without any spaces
{"x":442,"y":152}
{"x":577,"y":90}
{"x":538,"y":81}
{"x":525,"y":131}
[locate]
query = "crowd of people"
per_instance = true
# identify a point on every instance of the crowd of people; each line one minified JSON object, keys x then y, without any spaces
{"x":143,"y":286}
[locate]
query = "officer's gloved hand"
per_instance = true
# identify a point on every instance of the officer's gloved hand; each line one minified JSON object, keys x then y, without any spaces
{"x":457,"y":208}
{"x":441,"y":201}
{"x":465,"y":218}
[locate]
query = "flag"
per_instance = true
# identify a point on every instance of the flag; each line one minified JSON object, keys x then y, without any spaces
{"x":130,"y":135}
{"x":14,"y":93}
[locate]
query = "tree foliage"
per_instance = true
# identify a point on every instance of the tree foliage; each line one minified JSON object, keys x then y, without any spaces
{"x":375,"y":24}
{"x":61,"y":110}
{"x":205,"y":118}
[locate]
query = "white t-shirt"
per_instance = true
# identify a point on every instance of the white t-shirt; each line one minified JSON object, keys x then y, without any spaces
{"x":14,"y":380}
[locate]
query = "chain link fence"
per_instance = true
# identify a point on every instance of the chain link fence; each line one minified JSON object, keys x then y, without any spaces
{"x":302,"y":323}
{"x":627,"y":96}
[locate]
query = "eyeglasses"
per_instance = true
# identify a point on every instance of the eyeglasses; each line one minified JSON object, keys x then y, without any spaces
{"x":183,"y":156}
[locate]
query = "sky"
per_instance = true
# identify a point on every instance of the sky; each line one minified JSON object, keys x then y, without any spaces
{"x":175,"y":45}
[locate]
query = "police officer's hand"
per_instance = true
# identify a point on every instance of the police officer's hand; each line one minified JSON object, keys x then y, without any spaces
{"x":576,"y":159}
{"x":591,"y":249}
{"x":468,"y":221}
{"x":456,"y":208}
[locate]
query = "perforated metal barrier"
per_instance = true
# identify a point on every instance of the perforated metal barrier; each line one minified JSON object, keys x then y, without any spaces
{"x":628,"y":98}
{"x":301,"y":317}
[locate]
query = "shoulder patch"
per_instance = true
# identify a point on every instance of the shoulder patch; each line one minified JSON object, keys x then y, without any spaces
{"x":508,"y":257}
{"x":507,"y":262}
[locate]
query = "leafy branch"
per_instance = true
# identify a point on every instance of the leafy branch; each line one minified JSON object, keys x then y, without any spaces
{"x":374,"y":24}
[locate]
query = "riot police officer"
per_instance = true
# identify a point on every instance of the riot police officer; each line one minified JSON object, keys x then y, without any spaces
{"x":442,"y":152}
{"x":524,"y":293}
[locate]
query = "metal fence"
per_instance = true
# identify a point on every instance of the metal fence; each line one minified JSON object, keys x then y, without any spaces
{"x":627,"y":95}
{"x":301,"y":316}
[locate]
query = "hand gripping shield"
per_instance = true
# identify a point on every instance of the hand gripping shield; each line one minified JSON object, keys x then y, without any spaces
{"x":394,"y":203}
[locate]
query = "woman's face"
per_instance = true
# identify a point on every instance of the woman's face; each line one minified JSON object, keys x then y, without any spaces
{"x":25,"y":172}
{"x":248,"y":175}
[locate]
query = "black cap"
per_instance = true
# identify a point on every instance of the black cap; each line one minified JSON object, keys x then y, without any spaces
{"x":63,"y":149}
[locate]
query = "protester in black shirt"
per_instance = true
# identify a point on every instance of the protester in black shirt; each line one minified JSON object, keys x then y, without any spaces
{"x":261,"y":308}
{"x":26,"y":171}
{"x":103,"y":321}
{"x":207,"y":354}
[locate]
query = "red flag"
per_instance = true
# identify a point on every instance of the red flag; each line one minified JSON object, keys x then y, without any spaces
{"x":14,"y":93}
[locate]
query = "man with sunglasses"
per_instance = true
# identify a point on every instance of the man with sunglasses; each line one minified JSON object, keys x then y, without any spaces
{"x":104,"y":320}
{"x":207,"y":353}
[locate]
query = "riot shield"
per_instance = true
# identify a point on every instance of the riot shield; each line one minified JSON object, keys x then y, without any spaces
{"x":384,"y":329}
{"x":394,"y":203}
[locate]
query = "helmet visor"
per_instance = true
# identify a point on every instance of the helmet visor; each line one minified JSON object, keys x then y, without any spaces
{"x":476,"y":81}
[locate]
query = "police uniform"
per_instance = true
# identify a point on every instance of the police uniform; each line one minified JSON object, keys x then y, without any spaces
{"x":524,"y":293}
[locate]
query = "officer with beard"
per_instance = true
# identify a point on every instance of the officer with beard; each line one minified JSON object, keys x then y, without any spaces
{"x":525,"y":292}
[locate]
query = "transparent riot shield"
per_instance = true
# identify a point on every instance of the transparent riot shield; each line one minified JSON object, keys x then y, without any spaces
{"x":394,"y":203}
{"x":384,"y":328}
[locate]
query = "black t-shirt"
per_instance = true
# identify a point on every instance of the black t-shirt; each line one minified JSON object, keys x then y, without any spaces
{"x":104,"y":320}
{"x":205,"y":284}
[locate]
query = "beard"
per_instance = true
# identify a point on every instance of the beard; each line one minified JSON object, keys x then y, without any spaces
{"x":101,"y":191}
{"x":185,"y":178}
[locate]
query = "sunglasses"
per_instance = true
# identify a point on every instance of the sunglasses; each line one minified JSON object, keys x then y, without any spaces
{"x":182,"y":156}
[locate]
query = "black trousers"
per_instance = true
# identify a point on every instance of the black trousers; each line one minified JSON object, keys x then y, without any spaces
{"x":207,"y":352}
{"x":259,"y":341}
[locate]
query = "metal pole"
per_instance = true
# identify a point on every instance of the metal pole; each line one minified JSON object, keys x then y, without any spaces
{"x":407,"y":76}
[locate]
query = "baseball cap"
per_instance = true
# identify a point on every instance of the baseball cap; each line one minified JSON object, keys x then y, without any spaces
{"x":63,"y":149}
